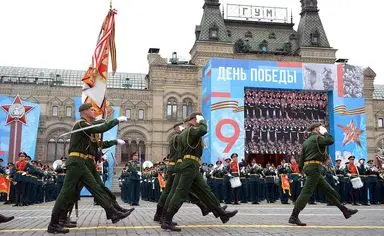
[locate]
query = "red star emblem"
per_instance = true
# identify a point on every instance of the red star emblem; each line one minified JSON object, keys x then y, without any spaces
{"x":16,"y":111}
{"x":351,"y":133}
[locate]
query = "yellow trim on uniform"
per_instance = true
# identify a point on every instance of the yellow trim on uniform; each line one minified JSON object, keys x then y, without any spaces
{"x":171,"y":163}
{"x":179,"y":160}
{"x":312,"y":162}
{"x":195,"y":158}
{"x":81,"y":155}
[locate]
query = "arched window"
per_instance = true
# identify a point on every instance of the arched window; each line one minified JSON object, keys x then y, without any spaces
{"x":57,"y":147}
{"x":172,"y":109}
{"x":133,"y":145}
{"x":187,"y":107}
{"x":380,"y":123}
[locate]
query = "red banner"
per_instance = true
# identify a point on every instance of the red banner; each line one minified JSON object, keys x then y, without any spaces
{"x":95,"y":79}
{"x":285,"y":184}
{"x":5,"y":185}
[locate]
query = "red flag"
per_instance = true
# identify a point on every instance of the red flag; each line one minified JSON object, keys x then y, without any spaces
{"x":95,"y":79}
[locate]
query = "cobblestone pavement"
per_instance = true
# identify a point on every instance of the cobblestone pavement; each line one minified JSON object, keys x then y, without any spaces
{"x":263,"y":219}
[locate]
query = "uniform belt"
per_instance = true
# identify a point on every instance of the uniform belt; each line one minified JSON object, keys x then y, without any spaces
{"x":340,"y":175}
{"x":81,"y":155}
{"x":61,"y":174}
{"x":295,"y":173}
{"x":171,"y":163}
{"x":218,"y":178}
{"x":363,"y":175}
{"x":242,"y":177}
{"x":312,"y":162}
{"x":373,"y":175}
{"x":195,"y":158}
{"x":255,"y":174}
{"x":19,"y":171}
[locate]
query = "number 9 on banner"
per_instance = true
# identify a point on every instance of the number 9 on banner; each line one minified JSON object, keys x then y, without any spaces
{"x":231,"y":140}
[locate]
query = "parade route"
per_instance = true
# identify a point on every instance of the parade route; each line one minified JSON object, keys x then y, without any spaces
{"x":263,"y":219}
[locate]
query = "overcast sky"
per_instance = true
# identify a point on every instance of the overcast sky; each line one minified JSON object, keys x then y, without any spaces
{"x":62,"y":33}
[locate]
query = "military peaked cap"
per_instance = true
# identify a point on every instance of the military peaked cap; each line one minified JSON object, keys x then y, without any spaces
{"x":84,"y":107}
{"x":193,"y":115}
{"x":314,"y":126}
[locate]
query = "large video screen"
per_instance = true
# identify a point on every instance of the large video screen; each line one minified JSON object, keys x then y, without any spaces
{"x":276,"y":121}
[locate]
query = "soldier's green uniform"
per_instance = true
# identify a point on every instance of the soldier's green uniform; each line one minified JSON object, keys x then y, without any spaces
{"x":312,"y":156}
{"x":79,"y":153}
{"x":191,"y":148}
{"x":170,"y":177}
{"x":134,"y":183}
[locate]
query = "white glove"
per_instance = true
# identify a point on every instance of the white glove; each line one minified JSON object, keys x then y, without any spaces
{"x":349,"y":175}
{"x":122,"y":119}
{"x":199,"y":118}
{"x":120,"y":141}
{"x":229,"y":175}
{"x":335,"y":178}
{"x":322,"y":130}
{"x":139,"y":173}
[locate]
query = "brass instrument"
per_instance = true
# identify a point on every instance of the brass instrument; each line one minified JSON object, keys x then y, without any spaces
{"x":57,"y":164}
{"x":147,"y":164}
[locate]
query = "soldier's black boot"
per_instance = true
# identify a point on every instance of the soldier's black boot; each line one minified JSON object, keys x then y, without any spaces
{"x":225,"y":215}
{"x":159,"y":212}
{"x":216,"y":213}
{"x":346,"y":211}
{"x":4,"y":219}
{"x":54,"y":226}
{"x":115,"y":215}
{"x":294,"y":219}
{"x":204,"y":209}
{"x":119,"y":208}
{"x":163,"y":217}
{"x":65,"y":222}
{"x":167,"y":221}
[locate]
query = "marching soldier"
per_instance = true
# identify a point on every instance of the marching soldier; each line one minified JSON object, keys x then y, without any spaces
{"x":191,"y":148}
{"x":78,"y":172}
{"x":312,"y":156}
{"x":172,"y":181}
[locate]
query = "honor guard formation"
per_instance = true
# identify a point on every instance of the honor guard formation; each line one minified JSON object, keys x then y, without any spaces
{"x":181,"y":177}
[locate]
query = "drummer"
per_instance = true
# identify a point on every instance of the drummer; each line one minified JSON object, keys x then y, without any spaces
{"x":352,"y":173}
